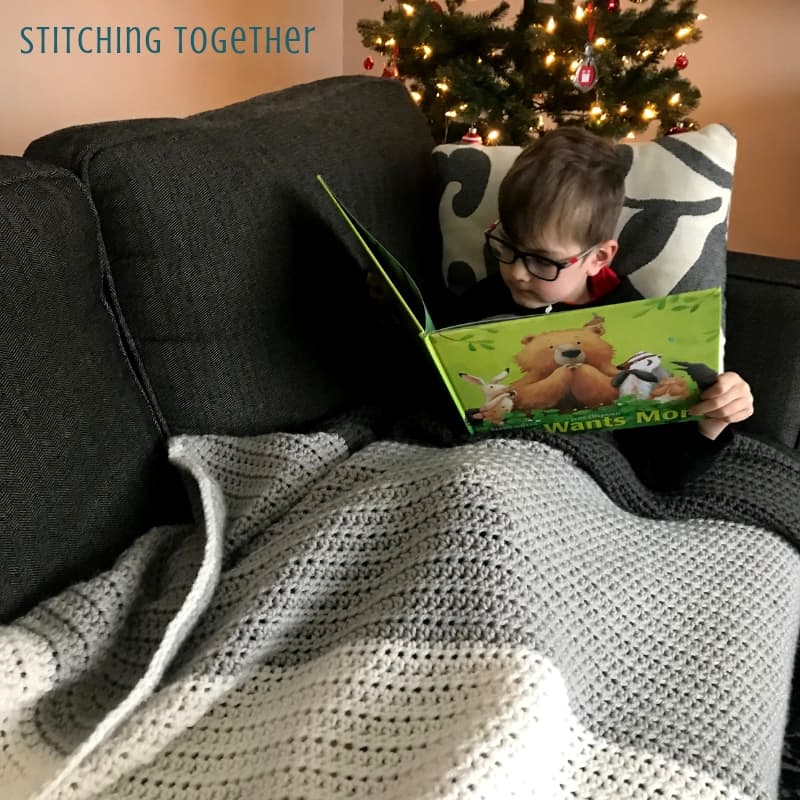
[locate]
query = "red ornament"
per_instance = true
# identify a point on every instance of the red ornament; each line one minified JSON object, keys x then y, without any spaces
{"x":612,"y":6}
{"x":676,"y":129}
{"x":472,"y":137}
{"x":368,"y":63}
{"x":681,"y":61}
{"x":585,"y":77}
{"x":390,"y":71}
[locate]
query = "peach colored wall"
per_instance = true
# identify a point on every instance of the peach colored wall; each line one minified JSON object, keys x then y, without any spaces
{"x":744,"y":67}
{"x":39,"y":93}
{"x":750,"y":80}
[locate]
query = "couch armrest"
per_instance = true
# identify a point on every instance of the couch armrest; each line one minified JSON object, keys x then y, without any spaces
{"x":763,"y":341}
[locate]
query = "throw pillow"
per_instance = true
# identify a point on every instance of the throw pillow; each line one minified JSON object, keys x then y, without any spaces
{"x":672,"y":230}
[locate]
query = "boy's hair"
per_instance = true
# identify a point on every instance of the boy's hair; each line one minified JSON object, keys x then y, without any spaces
{"x":567,"y":186}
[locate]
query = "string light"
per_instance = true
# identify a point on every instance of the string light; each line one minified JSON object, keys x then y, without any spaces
{"x":701,"y":17}
{"x":378,"y":40}
{"x":451,"y":114}
{"x":579,"y":13}
{"x":409,"y":9}
{"x":390,"y":42}
{"x":416,"y":97}
{"x":427,"y":51}
{"x":551,"y":25}
{"x":463,"y":107}
{"x":493,"y":136}
{"x":649,"y":113}
{"x":574,"y":65}
{"x":675,"y":99}
{"x":683,"y":32}
{"x":596,"y":110}
{"x":623,"y":109}
{"x":550,"y":59}
{"x":600,"y":41}
{"x":442,"y":87}
{"x":630,"y":135}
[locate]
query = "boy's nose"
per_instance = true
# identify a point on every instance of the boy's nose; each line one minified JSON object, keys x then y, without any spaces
{"x":519,"y":272}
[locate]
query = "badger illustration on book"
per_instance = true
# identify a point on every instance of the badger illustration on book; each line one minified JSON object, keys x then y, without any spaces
{"x":639,"y":375}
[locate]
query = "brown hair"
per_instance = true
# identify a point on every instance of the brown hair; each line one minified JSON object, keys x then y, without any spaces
{"x":568,"y":185}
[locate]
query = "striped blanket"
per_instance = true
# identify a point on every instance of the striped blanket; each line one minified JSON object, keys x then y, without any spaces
{"x":363,"y":614}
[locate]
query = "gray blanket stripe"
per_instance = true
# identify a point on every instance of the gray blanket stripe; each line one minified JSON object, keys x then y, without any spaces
{"x":632,"y":637}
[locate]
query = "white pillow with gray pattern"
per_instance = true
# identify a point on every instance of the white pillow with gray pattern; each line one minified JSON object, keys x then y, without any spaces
{"x":673,"y":227}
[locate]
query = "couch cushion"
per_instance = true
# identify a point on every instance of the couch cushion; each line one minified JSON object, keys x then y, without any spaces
{"x":233,"y":270}
{"x":763,"y":335}
{"x":672,"y":230}
{"x":82,"y":467}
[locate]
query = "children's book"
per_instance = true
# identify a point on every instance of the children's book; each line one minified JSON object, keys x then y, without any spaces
{"x":618,"y":366}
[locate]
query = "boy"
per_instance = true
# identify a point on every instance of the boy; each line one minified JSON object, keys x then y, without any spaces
{"x":559,"y":205}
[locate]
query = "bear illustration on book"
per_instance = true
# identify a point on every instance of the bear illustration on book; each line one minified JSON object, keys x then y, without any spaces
{"x":574,"y":369}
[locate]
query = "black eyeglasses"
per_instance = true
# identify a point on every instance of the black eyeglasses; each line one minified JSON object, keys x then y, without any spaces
{"x":547,"y":269}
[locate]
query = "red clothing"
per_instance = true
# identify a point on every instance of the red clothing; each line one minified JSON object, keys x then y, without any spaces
{"x":600,"y":285}
{"x":604,"y":282}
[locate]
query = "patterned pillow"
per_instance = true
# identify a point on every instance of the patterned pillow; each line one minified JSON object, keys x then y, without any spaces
{"x":672,"y":231}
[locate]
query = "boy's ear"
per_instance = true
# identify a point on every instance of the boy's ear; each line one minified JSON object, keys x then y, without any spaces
{"x":603,"y":255}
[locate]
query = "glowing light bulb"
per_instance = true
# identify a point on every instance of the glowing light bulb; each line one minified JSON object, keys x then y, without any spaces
{"x":701,"y":17}
{"x":427,"y":51}
{"x":442,"y":87}
{"x":649,"y":113}
{"x":596,"y":111}
{"x":451,"y":114}
{"x":574,"y":65}
{"x":579,"y":13}
{"x":378,"y":40}
{"x":409,"y":9}
{"x":463,"y":107}
{"x":416,"y":97}
{"x":493,"y":136}
{"x":683,"y":32}
{"x":630,"y":135}
{"x":600,"y":41}
{"x":551,"y":25}
{"x":675,"y":99}
{"x":390,"y":42}
{"x":623,"y":109}
{"x":550,"y":59}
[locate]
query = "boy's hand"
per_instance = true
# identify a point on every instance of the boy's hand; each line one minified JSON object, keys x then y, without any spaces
{"x":728,"y":400}
{"x":377,"y":288}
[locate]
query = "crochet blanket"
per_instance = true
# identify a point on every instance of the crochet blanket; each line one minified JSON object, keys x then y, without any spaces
{"x":363,"y":616}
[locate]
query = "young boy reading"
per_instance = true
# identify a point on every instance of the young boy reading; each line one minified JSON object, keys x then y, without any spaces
{"x":554,"y":244}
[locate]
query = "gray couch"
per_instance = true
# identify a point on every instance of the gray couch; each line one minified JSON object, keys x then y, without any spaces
{"x":165,"y":276}
{"x":188,"y":276}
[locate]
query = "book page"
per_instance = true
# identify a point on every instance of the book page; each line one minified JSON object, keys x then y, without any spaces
{"x":402,"y":285}
{"x":625,"y":365}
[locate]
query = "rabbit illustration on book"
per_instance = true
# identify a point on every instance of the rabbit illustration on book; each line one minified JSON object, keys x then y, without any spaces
{"x":498,"y":398}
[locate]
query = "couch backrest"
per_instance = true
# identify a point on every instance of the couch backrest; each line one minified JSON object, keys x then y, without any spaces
{"x":82,"y":464}
{"x":763,"y":296}
{"x":232,"y":269}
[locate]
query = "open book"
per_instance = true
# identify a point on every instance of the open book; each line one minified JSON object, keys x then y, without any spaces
{"x":619,"y":366}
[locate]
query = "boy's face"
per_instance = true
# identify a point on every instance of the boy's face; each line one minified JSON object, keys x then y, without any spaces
{"x":570,"y":286}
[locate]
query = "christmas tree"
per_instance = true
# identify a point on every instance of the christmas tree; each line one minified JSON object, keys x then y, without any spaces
{"x":597,"y":64}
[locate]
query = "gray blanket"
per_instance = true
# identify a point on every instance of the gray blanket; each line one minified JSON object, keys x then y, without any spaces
{"x":363,"y":616}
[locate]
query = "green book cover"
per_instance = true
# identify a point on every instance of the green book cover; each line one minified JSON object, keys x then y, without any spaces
{"x":618,"y":366}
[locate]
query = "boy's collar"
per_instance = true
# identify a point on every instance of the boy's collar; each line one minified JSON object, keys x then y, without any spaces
{"x":599,"y":284}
